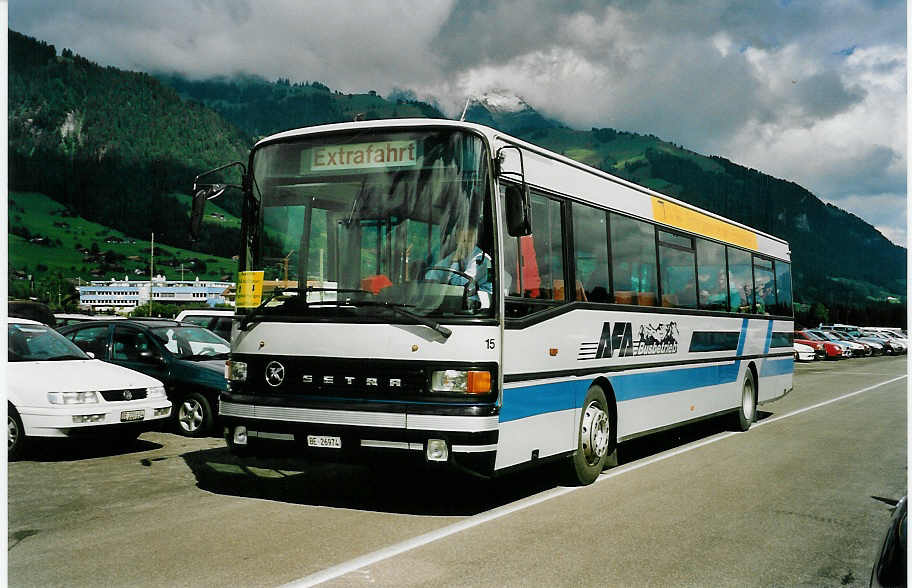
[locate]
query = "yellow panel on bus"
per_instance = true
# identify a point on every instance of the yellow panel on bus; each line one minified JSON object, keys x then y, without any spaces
{"x":249,"y":289}
{"x":702,"y":224}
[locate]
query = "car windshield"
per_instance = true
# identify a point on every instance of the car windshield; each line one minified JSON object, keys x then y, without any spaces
{"x":826,"y":336}
{"x":811,"y":336}
{"x":29,"y":342}
{"x":187,"y":342}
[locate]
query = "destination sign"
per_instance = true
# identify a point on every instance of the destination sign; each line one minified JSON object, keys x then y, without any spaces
{"x":362,"y":155}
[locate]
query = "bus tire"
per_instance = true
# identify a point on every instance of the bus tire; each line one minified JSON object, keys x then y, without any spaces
{"x":747,"y":411}
{"x":594,"y":438}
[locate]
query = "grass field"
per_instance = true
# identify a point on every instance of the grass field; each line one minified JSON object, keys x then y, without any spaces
{"x":67,"y":236}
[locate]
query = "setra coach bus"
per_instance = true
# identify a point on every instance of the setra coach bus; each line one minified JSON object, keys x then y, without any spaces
{"x":441,"y":290}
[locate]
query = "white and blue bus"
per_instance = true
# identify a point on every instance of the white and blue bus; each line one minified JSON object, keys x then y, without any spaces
{"x":440,"y":290}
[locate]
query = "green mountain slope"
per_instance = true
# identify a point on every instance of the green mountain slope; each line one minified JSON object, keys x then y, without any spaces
{"x":261,"y":108}
{"x":112,"y":145}
{"x":46,"y":237}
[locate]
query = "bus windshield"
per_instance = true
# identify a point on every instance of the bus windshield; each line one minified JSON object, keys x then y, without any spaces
{"x":359,"y":223}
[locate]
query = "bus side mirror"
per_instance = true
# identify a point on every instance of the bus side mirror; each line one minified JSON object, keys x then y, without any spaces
{"x":203,"y":192}
{"x":518,"y":210}
{"x":197,"y":212}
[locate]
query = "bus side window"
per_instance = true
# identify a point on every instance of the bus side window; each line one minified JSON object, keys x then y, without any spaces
{"x":511,"y":265}
{"x":677,"y":265}
{"x":590,"y":239}
{"x":783,"y":288}
{"x":633,"y":261}
{"x":740,"y":281}
{"x":548,"y":250}
{"x":764,"y":286}
{"x":711,"y":275}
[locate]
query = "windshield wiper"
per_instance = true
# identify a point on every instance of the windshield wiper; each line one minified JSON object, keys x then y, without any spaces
{"x":259,"y":312}
{"x":301,"y":297}
{"x":400,"y":309}
{"x":65,"y":357}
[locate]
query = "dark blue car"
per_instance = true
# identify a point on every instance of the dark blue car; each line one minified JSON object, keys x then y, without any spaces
{"x":189,"y":359}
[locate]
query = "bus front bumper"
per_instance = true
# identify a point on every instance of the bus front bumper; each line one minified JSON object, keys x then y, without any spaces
{"x":465,"y":441}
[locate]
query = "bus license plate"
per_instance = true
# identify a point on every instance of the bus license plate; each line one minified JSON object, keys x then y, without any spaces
{"x":132,"y":415}
{"x":324,"y":441}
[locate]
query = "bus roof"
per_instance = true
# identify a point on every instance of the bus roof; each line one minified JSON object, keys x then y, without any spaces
{"x":659,"y":207}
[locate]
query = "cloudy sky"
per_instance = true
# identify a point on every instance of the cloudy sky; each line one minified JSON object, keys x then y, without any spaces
{"x":811,"y":91}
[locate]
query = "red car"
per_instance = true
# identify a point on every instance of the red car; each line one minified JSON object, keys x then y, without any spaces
{"x":822,"y":349}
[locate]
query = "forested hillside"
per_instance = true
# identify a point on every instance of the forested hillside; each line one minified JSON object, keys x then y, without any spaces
{"x":110,"y":145}
{"x":261,"y":108}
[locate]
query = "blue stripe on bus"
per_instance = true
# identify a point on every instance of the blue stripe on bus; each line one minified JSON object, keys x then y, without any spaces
{"x":769,"y":338}
{"x":777,"y":367}
{"x":743,"y":339}
{"x":527,"y":401}
{"x":519,"y":403}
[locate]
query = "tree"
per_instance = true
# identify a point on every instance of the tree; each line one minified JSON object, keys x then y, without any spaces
{"x":820,"y":314}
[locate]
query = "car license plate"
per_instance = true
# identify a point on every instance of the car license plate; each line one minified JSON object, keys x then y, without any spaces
{"x":324,"y":441}
{"x":132,"y":415}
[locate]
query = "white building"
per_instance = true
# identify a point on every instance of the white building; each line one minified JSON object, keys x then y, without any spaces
{"x":124,"y":295}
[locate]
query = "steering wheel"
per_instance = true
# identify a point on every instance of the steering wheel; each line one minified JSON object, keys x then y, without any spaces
{"x":471,"y":280}
{"x":469,"y":289}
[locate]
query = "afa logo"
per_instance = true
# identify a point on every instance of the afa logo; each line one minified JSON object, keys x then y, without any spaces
{"x":619,"y":341}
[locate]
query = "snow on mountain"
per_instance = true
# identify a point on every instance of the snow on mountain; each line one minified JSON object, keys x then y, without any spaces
{"x":506,"y":111}
{"x":502,"y":101}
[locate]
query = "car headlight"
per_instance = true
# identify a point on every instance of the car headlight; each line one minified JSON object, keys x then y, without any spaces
{"x":155,"y":392}
{"x":461,"y":381}
{"x":236,"y":371}
{"x":72,"y":397}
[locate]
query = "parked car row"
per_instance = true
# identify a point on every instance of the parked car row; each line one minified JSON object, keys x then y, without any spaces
{"x":112,"y":375}
{"x":829,"y":342}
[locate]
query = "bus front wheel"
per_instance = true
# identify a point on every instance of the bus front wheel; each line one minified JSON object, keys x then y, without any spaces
{"x":594,"y":439}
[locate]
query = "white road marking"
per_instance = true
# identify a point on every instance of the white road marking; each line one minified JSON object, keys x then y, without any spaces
{"x":356,"y":564}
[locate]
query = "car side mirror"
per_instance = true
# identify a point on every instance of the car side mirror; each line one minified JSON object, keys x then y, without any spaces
{"x":90,"y":354}
{"x":150,"y":357}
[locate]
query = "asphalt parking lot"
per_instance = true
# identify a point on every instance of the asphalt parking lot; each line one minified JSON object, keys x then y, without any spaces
{"x":801,"y":499}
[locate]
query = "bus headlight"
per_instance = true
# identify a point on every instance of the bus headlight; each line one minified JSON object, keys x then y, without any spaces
{"x":461,"y":381}
{"x":236,"y":371}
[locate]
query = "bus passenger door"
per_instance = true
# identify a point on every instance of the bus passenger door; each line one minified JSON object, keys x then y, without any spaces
{"x":539,"y":412}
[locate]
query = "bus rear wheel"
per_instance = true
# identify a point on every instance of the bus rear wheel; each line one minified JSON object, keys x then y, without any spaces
{"x":747,"y":411}
{"x":594,"y":440}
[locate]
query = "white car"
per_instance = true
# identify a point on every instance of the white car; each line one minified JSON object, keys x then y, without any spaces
{"x":63,"y":318}
{"x":803,"y":352}
{"x":54,"y":389}
{"x":217,"y":321}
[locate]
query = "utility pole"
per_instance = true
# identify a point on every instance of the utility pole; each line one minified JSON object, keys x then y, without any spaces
{"x":151,"y":271}
{"x":284,"y":262}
